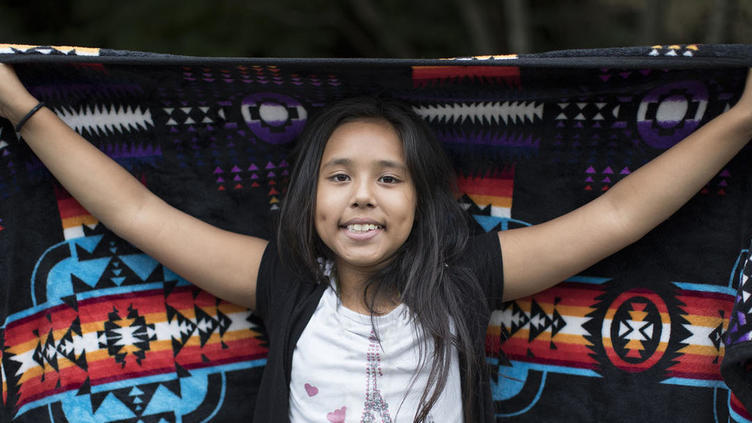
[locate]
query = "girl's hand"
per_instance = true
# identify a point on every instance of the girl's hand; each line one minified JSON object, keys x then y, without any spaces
{"x":15,"y":99}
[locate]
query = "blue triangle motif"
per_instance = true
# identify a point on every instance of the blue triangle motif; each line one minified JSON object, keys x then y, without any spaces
{"x":141,"y":264}
{"x":489,"y":222}
{"x":90,"y":271}
{"x":88,"y":243}
{"x":118,"y":281}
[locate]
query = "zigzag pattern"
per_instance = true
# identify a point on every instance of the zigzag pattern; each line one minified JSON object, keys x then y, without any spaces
{"x":51,"y":348}
{"x":106,"y":119}
{"x":508,"y":112}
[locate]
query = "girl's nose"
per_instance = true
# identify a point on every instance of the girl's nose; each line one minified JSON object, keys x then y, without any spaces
{"x":363,"y":195}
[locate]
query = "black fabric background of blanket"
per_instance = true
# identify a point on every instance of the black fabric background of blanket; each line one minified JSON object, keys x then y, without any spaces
{"x":93,"y":330}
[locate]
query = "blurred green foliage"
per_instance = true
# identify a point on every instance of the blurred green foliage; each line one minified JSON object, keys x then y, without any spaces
{"x":361,"y":28}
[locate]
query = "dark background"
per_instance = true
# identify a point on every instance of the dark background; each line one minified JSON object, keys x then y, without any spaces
{"x":371,"y":28}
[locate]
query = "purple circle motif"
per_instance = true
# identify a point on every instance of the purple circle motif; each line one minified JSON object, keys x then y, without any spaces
{"x":274,"y":118}
{"x":669,"y":113}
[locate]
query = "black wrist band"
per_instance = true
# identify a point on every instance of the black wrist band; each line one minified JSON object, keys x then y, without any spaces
{"x":28,"y":116}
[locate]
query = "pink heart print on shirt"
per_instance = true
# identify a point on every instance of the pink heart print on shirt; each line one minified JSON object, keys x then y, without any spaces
{"x":337,"y":416}
{"x":311,"y":390}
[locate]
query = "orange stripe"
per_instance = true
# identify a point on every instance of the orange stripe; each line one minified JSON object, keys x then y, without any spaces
{"x":706,"y":321}
{"x":701,"y":350}
{"x":482,"y":200}
{"x":72,"y":222}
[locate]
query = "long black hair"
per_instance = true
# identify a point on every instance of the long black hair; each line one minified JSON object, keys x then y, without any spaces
{"x":440,"y":293}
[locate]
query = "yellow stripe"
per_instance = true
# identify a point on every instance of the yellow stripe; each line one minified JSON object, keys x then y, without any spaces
{"x":574,"y":311}
{"x":22,"y":348}
{"x":706,"y":321}
{"x":482,"y":200}
{"x":84,"y":51}
{"x":29,"y":374}
{"x":17,"y":46}
{"x":72,"y":222}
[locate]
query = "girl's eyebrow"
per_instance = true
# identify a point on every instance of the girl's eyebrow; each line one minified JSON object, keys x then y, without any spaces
{"x":380,"y":163}
{"x":337,"y":162}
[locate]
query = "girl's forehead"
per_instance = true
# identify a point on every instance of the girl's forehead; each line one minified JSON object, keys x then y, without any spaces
{"x":364,"y":137}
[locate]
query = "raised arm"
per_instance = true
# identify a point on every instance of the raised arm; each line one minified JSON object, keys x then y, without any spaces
{"x":221,"y":262}
{"x":540,"y":256}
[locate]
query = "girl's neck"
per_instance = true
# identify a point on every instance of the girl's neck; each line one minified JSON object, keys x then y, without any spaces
{"x":351,"y":284}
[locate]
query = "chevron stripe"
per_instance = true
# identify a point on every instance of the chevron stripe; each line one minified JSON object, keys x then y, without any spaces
{"x":508,"y":112}
{"x":106,"y":119}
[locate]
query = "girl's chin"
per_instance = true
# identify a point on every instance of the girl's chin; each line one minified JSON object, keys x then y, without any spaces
{"x":362,"y":264}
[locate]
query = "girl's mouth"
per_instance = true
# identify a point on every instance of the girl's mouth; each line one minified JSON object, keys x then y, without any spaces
{"x":361,"y":228}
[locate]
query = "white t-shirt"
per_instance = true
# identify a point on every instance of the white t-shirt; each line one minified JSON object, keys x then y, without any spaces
{"x":340,"y":372}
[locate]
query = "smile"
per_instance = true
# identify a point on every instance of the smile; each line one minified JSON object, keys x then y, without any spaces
{"x":363,"y":227}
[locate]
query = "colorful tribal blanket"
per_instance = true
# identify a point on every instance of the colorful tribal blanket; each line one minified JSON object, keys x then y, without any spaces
{"x":93,"y":330}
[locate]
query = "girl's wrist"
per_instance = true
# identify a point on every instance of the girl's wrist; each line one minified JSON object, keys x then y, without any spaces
{"x":743,"y":115}
{"x":19,"y":108}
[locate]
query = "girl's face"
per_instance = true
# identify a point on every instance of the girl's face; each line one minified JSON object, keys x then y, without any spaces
{"x":365,"y":198}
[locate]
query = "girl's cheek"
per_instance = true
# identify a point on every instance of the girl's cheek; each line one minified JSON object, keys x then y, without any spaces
{"x":321,"y":224}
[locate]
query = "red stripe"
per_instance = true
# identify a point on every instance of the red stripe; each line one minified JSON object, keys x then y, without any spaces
{"x":691,"y":364}
{"x":698,"y":306}
{"x":739,"y":407}
{"x":696,"y":375}
{"x":569,"y":294}
{"x":499,"y":187}
{"x":706,"y":295}
{"x":424,"y":73}
{"x":574,"y":353}
{"x":35,"y":316}
{"x":69,"y":207}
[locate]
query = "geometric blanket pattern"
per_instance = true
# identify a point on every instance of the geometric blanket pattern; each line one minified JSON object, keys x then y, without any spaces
{"x":94,"y":330}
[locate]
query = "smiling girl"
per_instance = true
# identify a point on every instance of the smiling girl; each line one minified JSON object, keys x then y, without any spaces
{"x":374,"y":296}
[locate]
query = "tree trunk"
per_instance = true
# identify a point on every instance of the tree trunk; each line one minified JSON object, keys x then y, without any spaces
{"x":517,"y":26}
{"x":371,"y":18}
{"x":480,"y":37}
{"x":653,"y":22}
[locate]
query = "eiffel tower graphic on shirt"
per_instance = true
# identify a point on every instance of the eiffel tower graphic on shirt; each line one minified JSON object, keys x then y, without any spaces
{"x":375,"y":409}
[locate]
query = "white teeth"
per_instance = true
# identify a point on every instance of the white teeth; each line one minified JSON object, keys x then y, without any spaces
{"x":357,"y":227}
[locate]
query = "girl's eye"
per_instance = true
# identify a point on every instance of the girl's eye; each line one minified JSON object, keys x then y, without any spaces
{"x":340,"y":177}
{"x":387,"y":179}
